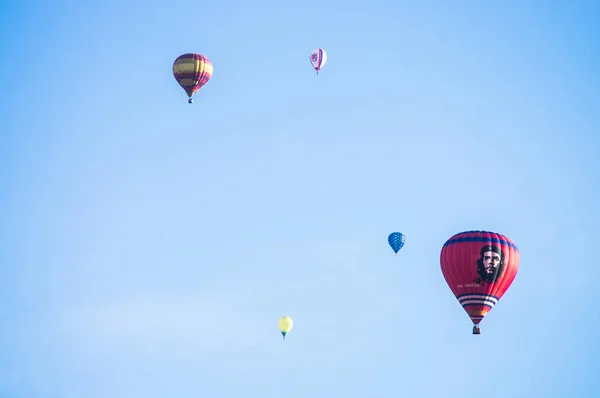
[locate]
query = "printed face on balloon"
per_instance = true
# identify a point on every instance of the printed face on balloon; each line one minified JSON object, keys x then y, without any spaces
{"x":490,"y":264}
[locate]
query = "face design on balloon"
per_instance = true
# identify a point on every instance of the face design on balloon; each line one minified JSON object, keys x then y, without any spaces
{"x":490,"y":264}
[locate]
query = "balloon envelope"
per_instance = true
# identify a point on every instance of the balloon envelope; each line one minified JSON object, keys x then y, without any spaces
{"x":318,"y":58}
{"x":192,"y":71}
{"x":479,"y":267}
{"x":396,"y":241}
{"x":285,"y":325}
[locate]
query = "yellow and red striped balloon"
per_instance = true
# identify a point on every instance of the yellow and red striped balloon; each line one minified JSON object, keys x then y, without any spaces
{"x":192,"y":71}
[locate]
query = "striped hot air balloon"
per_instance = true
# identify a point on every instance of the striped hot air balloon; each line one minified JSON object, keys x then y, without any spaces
{"x":192,"y":71}
{"x":479,"y":267}
{"x":318,"y":58}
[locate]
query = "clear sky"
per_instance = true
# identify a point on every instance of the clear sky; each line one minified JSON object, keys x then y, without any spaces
{"x":149,"y":246}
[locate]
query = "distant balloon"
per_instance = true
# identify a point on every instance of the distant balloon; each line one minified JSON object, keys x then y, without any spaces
{"x":285,"y":325}
{"x":318,"y":58}
{"x":192,"y":71}
{"x":396,"y":241}
{"x":479,"y":267}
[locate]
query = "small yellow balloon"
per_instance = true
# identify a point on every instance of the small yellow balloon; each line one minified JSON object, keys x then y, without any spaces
{"x":285,"y":325}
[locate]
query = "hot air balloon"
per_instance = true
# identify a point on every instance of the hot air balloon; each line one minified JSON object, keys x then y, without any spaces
{"x":479,"y":267}
{"x":318,"y":58}
{"x":396,"y":241}
{"x":285,"y":325}
{"x":192,"y":71}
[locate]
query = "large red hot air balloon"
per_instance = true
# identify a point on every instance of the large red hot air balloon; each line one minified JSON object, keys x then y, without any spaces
{"x":479,"y":267}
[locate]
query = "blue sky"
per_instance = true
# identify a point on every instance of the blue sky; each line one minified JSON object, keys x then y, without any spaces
{"x":150,"y":246}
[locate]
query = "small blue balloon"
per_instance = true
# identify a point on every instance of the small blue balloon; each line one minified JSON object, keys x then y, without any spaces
{"x":396,"y":241}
